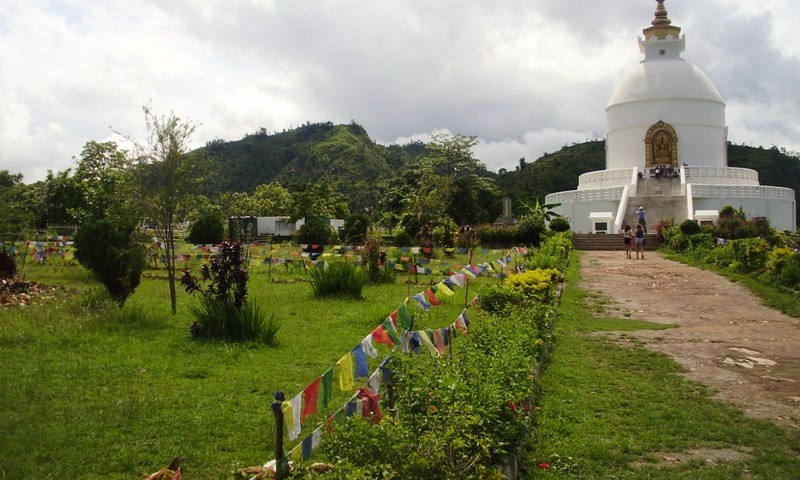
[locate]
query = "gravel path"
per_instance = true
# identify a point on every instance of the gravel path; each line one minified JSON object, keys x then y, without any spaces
{"x":748,"y":353}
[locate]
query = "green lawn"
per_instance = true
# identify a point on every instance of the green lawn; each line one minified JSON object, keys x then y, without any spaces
{"x":621,"y":411}
{"x":115,"y":394}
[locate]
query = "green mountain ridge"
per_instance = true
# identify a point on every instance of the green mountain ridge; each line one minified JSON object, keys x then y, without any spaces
{"x":349,"y":160}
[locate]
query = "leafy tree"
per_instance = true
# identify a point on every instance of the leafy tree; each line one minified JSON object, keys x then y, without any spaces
{"x":271,"y":200}
{"x":103,"y":176}
{"x":18,"y":203}
{"x":317,"y":200}
{"x":168,"y":177}
{"x":63,"y":197}
{"x":113,"y":253}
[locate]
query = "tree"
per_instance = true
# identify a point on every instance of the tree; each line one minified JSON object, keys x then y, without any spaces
{"x":103,"y":175}
{"x":317,"y":200}
{"x":112,"y":252}
{"x":168,"y":177}
{"x":18,"y":203}
{"x":271,"y":200}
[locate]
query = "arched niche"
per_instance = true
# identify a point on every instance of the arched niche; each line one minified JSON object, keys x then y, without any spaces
{"x":661,"y":145}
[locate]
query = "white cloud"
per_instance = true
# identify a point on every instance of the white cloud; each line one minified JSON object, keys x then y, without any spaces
{"x":525,"y":76}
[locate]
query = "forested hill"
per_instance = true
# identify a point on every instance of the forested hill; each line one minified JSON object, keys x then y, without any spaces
{"x":349,"y":160}
{"x":342,"y":155}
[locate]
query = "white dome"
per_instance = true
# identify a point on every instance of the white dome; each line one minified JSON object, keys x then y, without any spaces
{"x":664,"y":79}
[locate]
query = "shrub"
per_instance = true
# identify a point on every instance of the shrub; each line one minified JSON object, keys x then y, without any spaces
{"x":783,"y":267}
{"x":316,"y":231}
{"x":8,"y":264}
{"x":497,"y":299}
{"x":373,"y":260}
{"x":355,"y":229}
{"x":559,"y":224}
{"x":338,"y":279}
{"x":444,"y":233}
{"x":207,"y":229}
{"x":750,"y":254}
{"x":489,"y":234}
{"x":113,"y":252}
{"x":224,"y":311}
{"x":690,"y":227}
{"x":535,"y":284}
{"x":403,"y":239}
{"x":529,"y":229}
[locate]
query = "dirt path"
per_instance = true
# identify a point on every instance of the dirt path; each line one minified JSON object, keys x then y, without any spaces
{"x":728,"y":340}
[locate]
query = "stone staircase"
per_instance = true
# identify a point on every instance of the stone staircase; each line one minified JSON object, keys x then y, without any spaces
{"x":661,"y":199}
{"x":608,"y":241}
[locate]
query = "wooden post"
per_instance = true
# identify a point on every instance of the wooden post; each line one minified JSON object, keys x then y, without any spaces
{"x":281,"y":464}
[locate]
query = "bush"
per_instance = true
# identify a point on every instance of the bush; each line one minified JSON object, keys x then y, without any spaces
{"x":207,"y":229}
{"x":224,"y":311}
{"x":559,"y":224}
{"x":8,"y":264}
{"x":690,"y":227}
{"x":338,"y":279}
{"x":113,"y":252}
{"x":373,"y":260}
{"x":491,"y":235}
{"x":750,"y":254}
{"x":497,"y":299}
{"x":316,"y":231}
{"x":529,"y":229}
{"x":537,"y":285}
{"x":355,"y":230}
{"x":403,"y":239}
{"x":783,"y":267}
{"x":444,"y":233}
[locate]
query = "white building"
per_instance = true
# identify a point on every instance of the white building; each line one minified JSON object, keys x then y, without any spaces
{"x":666,"y":150}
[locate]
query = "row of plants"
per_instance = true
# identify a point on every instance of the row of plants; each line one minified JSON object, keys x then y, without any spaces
{"x":741,"y":245}
{"x":462,"y":415}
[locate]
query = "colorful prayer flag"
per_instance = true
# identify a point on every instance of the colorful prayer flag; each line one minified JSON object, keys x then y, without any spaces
{"x":327,"y":387}
{"x":362,"y":369}
{"x":379,"y":335}
{"x":346,"y":380}
{"x":310,"y":396}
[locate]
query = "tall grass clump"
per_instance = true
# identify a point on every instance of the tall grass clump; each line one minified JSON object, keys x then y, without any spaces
{"x":338,"y":279}
{"x":224,"y":310}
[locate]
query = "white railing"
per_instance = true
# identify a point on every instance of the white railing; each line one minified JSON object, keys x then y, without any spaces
{"x":591,"y":195}
{"x":720,"y":175}
{"x":606,"y":178}
{"x":623,"y":205}
{"x":741,"y":191}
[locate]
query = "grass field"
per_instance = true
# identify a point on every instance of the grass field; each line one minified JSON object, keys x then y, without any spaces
{"x":621,"y":411}
{"x":89,"y":391}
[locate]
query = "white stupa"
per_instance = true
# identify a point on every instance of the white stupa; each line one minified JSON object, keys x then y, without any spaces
{"x":666,"y":149}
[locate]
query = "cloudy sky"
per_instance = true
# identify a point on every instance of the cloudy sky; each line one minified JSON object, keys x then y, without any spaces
{"x":524,"y":76}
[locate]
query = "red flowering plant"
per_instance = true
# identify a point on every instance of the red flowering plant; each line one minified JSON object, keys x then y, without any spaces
{"x":224,"y":310}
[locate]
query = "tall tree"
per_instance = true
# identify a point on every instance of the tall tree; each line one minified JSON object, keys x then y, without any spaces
{"x":318,"y":199}
{"x":103,"y":174}
{"x":168,"y":176}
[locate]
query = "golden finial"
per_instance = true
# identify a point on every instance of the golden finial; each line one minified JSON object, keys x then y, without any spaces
{"x":661,"y":19}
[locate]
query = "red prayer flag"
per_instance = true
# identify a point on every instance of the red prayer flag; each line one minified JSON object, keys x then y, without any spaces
{"x":432,"y":297}
{"x":379,"y":335}
{"x":310,"y":395}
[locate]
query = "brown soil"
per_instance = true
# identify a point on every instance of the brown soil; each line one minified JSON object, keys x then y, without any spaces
{"x":726,"y":339}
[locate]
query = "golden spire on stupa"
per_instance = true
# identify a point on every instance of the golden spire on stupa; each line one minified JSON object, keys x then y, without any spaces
{"x":661,"y":25}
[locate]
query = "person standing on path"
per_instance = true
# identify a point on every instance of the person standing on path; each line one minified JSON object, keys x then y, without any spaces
{"x":639,"y":240}
{"x":627,"y":233}
{"x":641,"y":214}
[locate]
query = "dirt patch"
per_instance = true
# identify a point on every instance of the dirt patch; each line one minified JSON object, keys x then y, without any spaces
{"x":705,"y":455}
{"x":726,"y":339}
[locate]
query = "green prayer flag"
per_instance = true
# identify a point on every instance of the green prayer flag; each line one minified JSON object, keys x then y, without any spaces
{"x":327,"y":387}
{"x":406,"y":320}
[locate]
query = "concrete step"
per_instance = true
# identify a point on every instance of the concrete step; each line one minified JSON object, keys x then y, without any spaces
{"x":608,"y":241}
